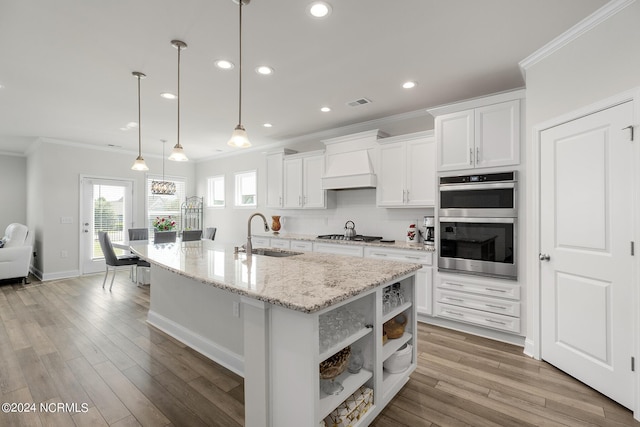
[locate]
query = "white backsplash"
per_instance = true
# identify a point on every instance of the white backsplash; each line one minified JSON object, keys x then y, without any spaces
{"x":359,"y":206}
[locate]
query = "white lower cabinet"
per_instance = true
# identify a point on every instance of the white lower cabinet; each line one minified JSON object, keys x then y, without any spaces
{"x":424,"y":276}
{"x":491,"y":303}
{"x":338,"y":249}
{"x":260,"y":242}
{"x":301,"y":245}
{"x":280,"y":243}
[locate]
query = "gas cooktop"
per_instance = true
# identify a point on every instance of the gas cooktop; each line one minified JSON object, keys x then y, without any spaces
{"x":358,"y":238}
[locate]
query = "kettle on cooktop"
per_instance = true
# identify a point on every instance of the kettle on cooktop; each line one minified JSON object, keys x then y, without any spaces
{"x":350,"y":230}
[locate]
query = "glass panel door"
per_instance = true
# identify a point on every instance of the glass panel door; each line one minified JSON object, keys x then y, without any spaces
{"x":106,"y":206}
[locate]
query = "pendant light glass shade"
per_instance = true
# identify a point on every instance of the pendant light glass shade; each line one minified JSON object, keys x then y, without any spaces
{"x":177,"y":155}
{"x":139,"y":164}
{"x":163,"y":187}
{"x":239,"y":137}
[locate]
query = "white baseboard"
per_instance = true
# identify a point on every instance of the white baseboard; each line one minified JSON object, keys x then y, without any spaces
{"x":58,"y":275}
{"x":529,"y":349}
{"x":221,"y":355}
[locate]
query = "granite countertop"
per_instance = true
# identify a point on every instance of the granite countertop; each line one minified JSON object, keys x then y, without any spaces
{"x":307,"y":282}
{"x":314,"y":238}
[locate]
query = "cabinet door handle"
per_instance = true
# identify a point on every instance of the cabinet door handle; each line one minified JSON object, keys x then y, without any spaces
{"x":412,"y":257}
{"x":377,"y":254}
{"x":299,"y":200}
{"x":495,"y":290}
{"x":407,"y":196}
{"x":280,"y":201}
{"x":497,"y":322}
{"x":477,"y":155}
{"x":454,"y":284}
{"x":403,"y":196}
{"x":499,"y":307}
{"x":454,"y":299}
{"x":471,"y":156}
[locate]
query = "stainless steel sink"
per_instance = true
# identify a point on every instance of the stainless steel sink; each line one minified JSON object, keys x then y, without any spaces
{"x":274,"y":252}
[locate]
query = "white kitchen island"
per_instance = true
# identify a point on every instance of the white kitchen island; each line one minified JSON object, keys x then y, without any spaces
{"x":260,"y":316}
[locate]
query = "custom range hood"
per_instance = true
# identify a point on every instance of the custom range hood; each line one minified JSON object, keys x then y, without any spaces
{"x":349,"y":161}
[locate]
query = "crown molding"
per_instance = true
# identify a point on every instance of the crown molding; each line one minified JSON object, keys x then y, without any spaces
{"x":582,"y":27}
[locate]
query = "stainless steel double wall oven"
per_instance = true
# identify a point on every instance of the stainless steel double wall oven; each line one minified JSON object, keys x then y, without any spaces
{"x":478,"y":224}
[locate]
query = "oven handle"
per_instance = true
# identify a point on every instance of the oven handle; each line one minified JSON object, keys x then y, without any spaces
{"x":473,"y":187}
{"x":487,"y":220}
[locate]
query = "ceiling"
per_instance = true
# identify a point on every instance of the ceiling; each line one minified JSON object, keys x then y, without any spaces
{"x":66,"y":66}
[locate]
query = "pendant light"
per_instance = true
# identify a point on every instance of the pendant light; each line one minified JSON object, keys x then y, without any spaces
{"x":239,"y":137}
{"x":163,"y":187}
{"x":177,"y":154}
{"x":139,"y":164}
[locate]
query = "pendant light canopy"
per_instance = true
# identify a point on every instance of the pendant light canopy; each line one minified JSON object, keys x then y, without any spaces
{"x":178,"y":152}
{"x":239,"y":137}
{"x":163,"y":187}
{"x":139,"y":164}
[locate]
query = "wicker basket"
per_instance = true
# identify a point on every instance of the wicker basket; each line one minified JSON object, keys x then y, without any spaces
{"x":335,"y":365}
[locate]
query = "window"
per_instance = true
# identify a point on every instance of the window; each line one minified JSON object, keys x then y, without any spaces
{"x":163,"y":206}
{"x":215,"y":191}
{"x":246,"y":194}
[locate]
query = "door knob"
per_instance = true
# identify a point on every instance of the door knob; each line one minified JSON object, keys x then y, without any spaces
{"x":544,"y":257}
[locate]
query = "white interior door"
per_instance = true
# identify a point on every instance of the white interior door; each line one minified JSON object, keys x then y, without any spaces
{"x":106,"y":206}
{"x":587,"y":231}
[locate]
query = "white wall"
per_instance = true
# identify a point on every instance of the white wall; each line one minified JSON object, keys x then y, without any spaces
{"x":601,"y":63}
{"x":13,"y":176}
{"x":54,"y":191}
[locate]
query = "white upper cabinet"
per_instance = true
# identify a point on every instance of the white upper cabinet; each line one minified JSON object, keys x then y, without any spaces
{"x":275,"y":176}
{"x":303,"y":181}
{"x":487,"y":135}
{"x":407,"y":171}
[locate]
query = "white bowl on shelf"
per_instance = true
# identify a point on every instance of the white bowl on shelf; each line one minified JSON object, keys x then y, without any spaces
{"x":399,"y":361}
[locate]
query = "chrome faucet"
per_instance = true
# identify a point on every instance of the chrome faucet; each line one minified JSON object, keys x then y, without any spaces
{"x":248,"y":247}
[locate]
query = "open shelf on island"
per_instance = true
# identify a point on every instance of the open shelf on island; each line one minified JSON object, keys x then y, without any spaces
{"x":350,"y":382}
{"x":393,"y":345}
{"x":396,"y":310}
{"x":345,"y":342}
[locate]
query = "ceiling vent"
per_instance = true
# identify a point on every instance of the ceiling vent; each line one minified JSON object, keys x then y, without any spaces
{"x":358,"y":102}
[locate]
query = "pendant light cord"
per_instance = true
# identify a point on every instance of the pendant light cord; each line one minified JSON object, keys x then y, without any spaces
{"x":179,"y":49}
{"x":139,"y":124}
{"x":240,"y":66}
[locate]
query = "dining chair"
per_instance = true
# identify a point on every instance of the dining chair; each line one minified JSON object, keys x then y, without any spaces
{"x":164,"y":237}
{"x":111,"y":259}
{"x":210,"y":233}
{"x":139,"y":234}
{"x":191,"y":235}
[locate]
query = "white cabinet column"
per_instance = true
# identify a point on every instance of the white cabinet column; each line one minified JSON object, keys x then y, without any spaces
{"x":256,"y":362}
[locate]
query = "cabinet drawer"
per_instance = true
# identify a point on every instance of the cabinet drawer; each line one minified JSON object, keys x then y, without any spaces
{"x":329,"y":248}
{"x":488,"y":289}
{"x":417,"y":257}
{"x":493,"y":305}
{"x":488,"y":320}
{"x":280,"y":243}
{"x":299,"y":245}
{"x":260,"y":242}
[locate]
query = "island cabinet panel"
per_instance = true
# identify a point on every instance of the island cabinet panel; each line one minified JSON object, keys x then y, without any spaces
{"x":300,"y":342}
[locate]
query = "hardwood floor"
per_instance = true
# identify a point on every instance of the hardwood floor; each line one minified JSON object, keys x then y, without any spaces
{"x":71,"y":342}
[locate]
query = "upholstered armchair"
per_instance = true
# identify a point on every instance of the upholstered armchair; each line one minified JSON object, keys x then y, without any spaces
{"x":15,"y":255}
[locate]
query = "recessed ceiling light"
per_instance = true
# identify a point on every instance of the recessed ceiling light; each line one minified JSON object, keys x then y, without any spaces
{"x":409,"y":85}
{"x":129,"y":125}
{"x":224,"y":64}
{"x":264,"y":70}
{"x":1,"y":86}
{"x":267,"y":125}
{"x":319,"y":9}
{"x":325,"y":109}
{"x":168,"y":95}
